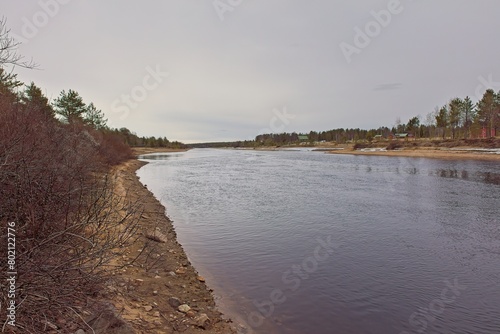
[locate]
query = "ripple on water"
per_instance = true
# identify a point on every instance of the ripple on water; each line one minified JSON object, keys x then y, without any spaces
{"x":403,"y":229}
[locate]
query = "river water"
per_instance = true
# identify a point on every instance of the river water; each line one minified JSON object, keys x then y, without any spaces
{"x":307,"y":242}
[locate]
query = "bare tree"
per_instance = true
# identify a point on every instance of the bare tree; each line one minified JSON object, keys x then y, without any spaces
{"x":8,"y":49}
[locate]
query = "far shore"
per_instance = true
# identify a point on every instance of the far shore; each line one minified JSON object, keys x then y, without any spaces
{"x":458,"y":153}
{"x":148,"y":150}
{"x":433,"y":153}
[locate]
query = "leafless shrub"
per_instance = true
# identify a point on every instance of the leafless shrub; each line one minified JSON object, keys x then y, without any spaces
{"x":69,"y":220}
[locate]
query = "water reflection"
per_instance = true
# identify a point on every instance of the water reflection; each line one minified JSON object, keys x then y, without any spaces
{"x":483,"y":177}
{"x":488,"y":177}
{"x":160,"y":156}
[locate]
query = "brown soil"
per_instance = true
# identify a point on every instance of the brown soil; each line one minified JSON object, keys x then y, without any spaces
{"x":142,"y":292}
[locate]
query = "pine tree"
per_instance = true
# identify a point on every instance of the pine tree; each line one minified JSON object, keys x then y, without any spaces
{"x":35,"y":101}
{"x":70,"y":107}
{"x":468,"y":115}
{"x":94,"y":117}
{"x":487,"y":110}
{"x":454,"y":115}
{"x":442,"y":119}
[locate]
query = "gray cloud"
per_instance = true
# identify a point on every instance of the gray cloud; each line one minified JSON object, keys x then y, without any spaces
{"x":230,"y":74}
{"x":388,"y":86}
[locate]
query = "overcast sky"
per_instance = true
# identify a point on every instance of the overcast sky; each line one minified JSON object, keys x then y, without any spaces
{"x":204,"y":70}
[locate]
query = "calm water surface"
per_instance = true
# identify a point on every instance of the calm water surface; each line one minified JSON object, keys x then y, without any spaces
{"x":306,"y":242}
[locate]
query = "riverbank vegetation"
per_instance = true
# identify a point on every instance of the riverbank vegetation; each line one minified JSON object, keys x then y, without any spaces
{"x":461,"y":122}
{"x":58,"y":203}
{"x":57,"y":195}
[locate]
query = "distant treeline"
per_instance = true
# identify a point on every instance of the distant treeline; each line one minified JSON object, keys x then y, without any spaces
{"x":236,"y":144}
{"x":460,"y":118}
{"x":134,"y":140}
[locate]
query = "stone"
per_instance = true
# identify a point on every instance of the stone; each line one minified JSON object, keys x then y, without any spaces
{"x":106,"y":319}
{"x":148,"y":308}
{"x":156,"y":314}
{"x":180,"y":271}
{"x":184,"y":308}
{"x":157,"y":236}
{"x":139,"y":281}
{"x":203,"y":321}
{"x":201,"y":279}
{"x":155,"y":293}
{"x":174,"y":302}
{"x":80,"y":331}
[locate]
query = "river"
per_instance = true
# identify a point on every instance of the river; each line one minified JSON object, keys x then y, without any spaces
{"x":297,"y":241}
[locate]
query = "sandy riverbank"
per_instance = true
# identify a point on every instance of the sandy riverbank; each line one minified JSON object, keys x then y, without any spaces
{"x":433,"y":153}
{"x":148,"y":293}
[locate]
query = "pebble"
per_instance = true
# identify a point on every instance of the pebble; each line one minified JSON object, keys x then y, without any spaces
{"x":180,"y":271}
{"x":148,"y":308}
{"x":203,"y":321}
{"x":201,"y":279}
{"x":184,"y":308}
{"x":155,"y":293}
{"x":174,"y":302}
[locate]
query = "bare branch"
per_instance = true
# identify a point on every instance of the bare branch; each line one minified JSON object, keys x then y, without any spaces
{"x":8,"y":49}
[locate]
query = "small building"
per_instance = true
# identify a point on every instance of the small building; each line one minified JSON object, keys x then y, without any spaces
{"x":303,"y":138}
{"x":401,"y":135}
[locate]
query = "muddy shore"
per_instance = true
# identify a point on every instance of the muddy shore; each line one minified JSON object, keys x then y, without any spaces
{"x":433,"y":153}
{"x":147,"y":294}
{"x":161,"y":292}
